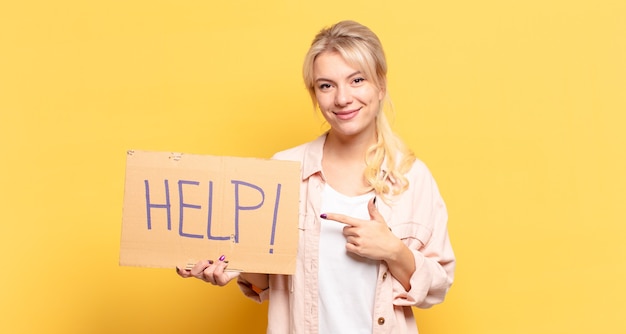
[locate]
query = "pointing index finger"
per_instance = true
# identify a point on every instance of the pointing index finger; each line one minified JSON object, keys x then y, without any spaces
{"x":340,"y":218}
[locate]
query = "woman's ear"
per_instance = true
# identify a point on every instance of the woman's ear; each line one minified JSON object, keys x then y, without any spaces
{"x":382,"y":90}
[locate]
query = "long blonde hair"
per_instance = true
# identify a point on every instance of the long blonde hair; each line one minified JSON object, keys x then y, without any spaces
{"x":360,"y":47}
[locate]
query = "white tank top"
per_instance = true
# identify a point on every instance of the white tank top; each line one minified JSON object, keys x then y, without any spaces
{"x":347,"y":282}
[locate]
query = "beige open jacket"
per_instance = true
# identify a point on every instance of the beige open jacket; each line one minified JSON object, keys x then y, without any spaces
{"x":418,"y":217}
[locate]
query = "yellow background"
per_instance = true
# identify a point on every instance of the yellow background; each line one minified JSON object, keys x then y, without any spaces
{"x":516,"y":106}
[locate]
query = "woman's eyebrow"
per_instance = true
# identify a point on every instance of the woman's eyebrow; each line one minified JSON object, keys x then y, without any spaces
{"x":347,"y":77}
{"x":354,"y":74}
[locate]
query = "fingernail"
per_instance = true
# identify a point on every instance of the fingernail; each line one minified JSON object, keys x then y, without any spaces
{"x":374,"y":199}
{"x":210,"y":261}
{"x":323,"y":216}
{"x":177,"y":269}
{"x":226,"y":261}
{"x":222,"y":258}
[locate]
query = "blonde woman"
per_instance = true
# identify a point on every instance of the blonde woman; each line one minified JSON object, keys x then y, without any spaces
{"x":373,"y":226}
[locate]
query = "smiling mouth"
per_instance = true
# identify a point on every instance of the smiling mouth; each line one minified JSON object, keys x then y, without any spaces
{"x":345,"y":115}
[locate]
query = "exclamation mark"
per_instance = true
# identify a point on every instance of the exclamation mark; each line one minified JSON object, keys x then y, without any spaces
{"x":275,"y":218}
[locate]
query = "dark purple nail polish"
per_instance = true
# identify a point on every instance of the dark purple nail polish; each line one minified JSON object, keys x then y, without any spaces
{"x":323,"y":216}
{"x":222,"y":258}
{"x":374,"y":199}
{"x":210,"y":261}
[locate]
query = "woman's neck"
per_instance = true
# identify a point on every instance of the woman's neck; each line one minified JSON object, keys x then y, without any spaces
{"x":348,"y":148}
{"x":343,"y":163}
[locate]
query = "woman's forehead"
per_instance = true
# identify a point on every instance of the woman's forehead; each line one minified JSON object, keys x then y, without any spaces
{"x":334,"y":64}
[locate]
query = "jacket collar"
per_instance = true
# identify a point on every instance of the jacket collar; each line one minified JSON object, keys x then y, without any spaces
{"x":313,"y":159}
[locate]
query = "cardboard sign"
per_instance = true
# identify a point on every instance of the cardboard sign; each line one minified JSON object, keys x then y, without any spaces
{"x":182,"y":208}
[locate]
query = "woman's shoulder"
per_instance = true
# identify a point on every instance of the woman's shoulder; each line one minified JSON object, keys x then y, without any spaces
{"x":419,"y":171}
{"x":295,"y":153}
{"x":298,"y":153}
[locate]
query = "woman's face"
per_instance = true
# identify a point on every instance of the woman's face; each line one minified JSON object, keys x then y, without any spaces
{"x":348,"y":100}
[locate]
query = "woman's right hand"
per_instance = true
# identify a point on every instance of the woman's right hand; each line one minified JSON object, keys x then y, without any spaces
{"x":210,"y":271}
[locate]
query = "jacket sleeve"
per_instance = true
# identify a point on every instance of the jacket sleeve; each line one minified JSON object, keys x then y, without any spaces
{"x":251,"y":292}
{"x":425,"y":233}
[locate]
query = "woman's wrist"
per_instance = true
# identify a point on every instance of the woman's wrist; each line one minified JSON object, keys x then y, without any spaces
{"x":257,"y":281}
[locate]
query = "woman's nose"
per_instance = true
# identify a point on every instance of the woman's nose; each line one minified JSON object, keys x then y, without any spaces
{"x":343,"y":96}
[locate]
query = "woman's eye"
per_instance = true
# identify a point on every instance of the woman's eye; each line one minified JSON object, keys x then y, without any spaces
{"x":359,"y":80}
{"x":324,"y":86}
